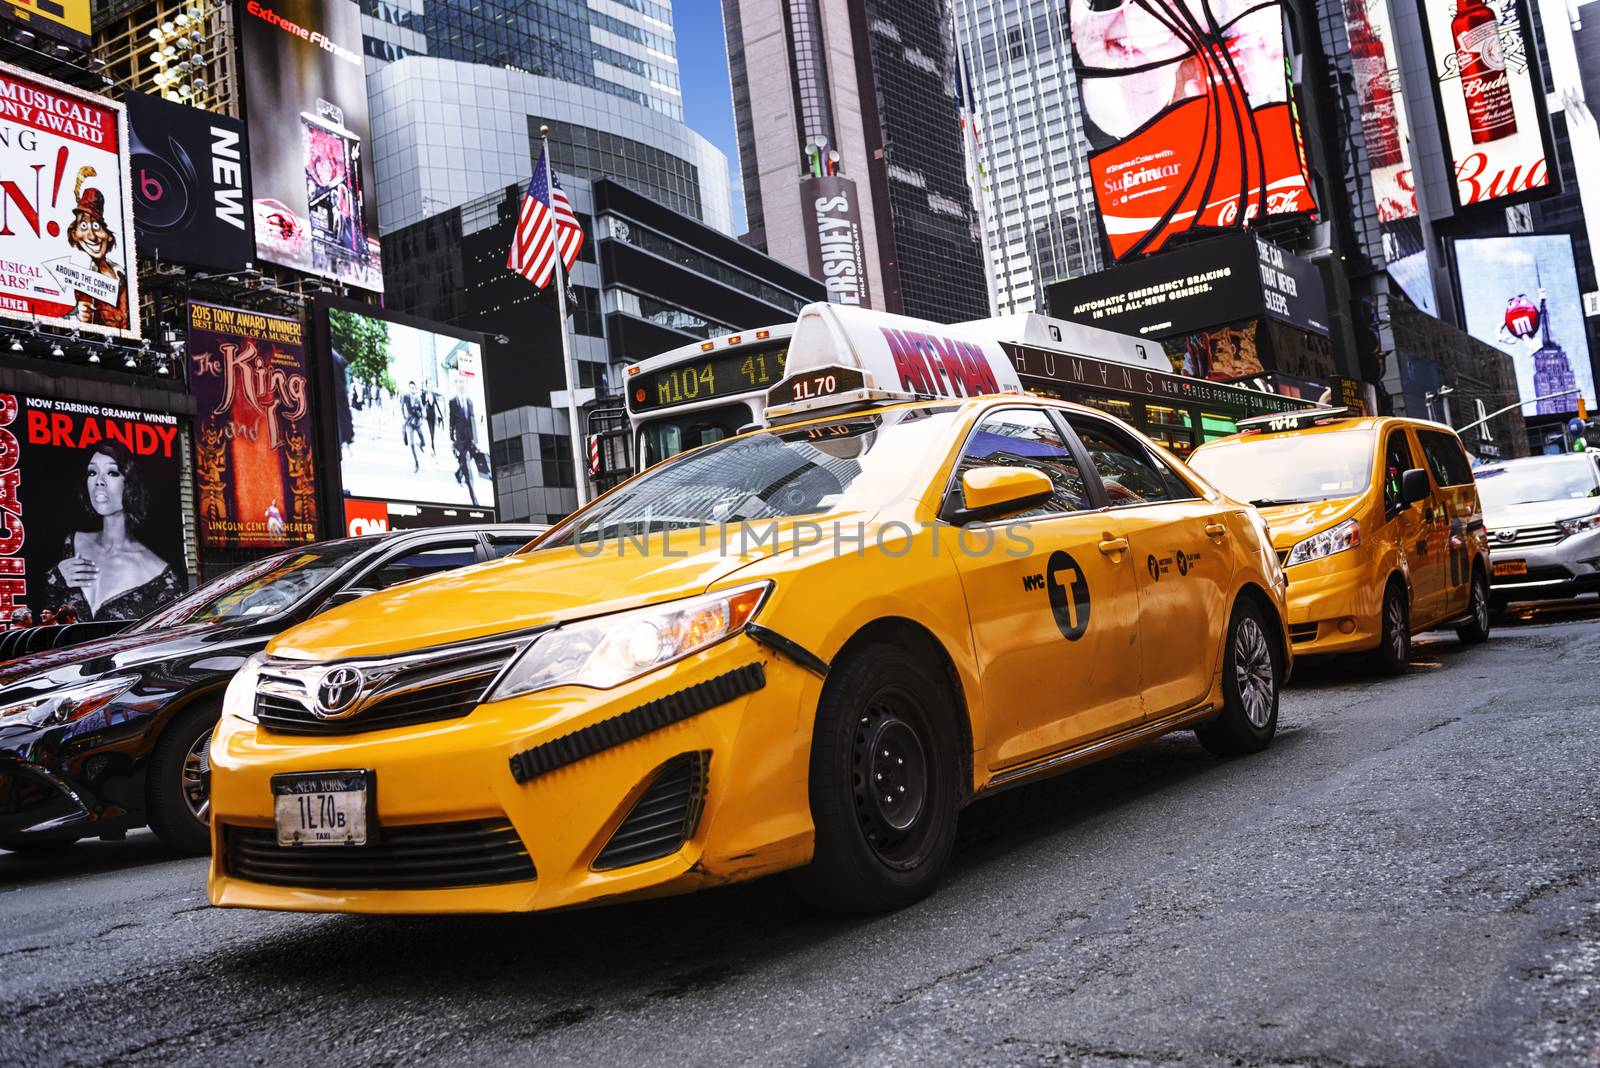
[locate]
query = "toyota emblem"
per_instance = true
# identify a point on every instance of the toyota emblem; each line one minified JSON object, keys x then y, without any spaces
{"x":337,"y":692}
{"x":1506,"y":536}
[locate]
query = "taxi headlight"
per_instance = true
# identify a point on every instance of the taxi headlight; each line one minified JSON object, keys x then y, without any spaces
{"x":609,"y":650}
{"x":1580,"y":524}
{"x":66,"y":704}
{"x":1346,"y":535}
{"x":239,"y":701}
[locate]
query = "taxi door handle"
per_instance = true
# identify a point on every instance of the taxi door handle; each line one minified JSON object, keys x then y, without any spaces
{"x":1112,"y":546}
{"x":1216,"y":530}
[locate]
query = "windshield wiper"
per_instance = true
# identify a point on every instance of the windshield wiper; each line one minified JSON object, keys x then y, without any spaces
{"x":1268,"y":502}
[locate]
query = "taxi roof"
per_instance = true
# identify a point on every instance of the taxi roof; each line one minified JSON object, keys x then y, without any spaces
{"x":1316,"y":421}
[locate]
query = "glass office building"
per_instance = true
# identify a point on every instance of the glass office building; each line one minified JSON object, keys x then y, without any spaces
{"x":1034,"y":179}
{"x":459,"y":90}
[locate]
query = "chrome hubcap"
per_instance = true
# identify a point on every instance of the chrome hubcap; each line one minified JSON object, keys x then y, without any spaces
{"x":1253,"y":672}
{"x":197,"y":778}
{"x":1480,"y":605}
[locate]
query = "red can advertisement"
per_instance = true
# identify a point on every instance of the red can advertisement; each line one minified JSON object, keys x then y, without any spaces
{"x":255,"y":479}
{"x":66,"y":215}
{"x":1190,"y":114}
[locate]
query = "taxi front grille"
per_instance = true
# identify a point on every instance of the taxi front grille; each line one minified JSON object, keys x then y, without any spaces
{"x":431,"y":856}
{"x":1302,"y":632}
{"x":409,"y":698}
{"x":1527,"y":538}
{"x":664,"y":817}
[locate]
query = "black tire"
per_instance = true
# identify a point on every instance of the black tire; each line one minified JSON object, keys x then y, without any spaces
{"x":885,"y":722}
{"x":47,"y":848}
{"x":1476,"y":631}
{"x":1393,"y":654}
{"x":1252,"y":676}
{"x":177,"y":806}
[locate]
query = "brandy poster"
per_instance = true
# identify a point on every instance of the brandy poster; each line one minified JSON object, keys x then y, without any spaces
{"x":66,"y":221}
{"x":1493,"y":120}
{"x":1190,"y":115}
{"x":255,"y":481}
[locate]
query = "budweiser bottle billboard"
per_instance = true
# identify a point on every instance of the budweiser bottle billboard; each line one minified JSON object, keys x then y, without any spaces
{"x":1374,"y":90}
{"x":1490,"y":113}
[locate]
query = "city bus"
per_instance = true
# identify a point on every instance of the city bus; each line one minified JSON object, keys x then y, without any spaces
{"x":708,"y":390}
{"x":703,"y":391}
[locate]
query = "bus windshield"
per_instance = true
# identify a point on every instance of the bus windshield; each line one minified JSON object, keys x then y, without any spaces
{"x":668,"y":435}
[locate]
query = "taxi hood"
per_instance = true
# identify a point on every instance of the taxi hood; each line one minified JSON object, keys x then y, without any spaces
{"x":534,"y":589}
{"x":1291,"y":523}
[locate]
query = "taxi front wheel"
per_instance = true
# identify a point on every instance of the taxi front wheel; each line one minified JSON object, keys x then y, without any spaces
{"x":1252,"y":673}
{"x":885,"y":781}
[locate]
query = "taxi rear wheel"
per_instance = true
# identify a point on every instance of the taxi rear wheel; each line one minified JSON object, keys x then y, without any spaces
{"x":1476,"y":629}
{"x":1252,"y":675}
{"x":885,"y":782}
{"x":178,"y":784}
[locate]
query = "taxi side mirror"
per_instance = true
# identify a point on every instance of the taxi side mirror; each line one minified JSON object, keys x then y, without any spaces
{"x":1414,"y":487}
{"x":991,"y":492}
{"x":344,"y":596}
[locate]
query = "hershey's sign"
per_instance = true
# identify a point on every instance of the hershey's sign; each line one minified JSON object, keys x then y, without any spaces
{"x":833,"y":239}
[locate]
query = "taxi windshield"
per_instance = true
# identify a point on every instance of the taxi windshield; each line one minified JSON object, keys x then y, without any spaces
{"x":860,"y":462}
{"x":266,"y":587}
{"x":1289,"y":468}
{"x":1544,"y":480}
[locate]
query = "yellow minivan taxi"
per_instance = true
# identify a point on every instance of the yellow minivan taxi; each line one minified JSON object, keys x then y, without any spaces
{"x":1376,"y":520}
{"x":805,"y":647}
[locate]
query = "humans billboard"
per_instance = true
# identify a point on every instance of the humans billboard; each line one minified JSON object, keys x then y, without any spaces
{"x":254,"y":473}
{"x":411,"y":411}
{"x":89,"y":499}
{"x":66,"y":231}
{"x":1190,"y":116}
{"x":310,"y":141}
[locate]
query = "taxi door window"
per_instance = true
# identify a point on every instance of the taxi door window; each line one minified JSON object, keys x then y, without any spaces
{"x":1129,"y":472}
{"x":1020,"y":437}
{"x":1396,"y":459}
{"x":1445,"y":458}
{"x":506,"y":544}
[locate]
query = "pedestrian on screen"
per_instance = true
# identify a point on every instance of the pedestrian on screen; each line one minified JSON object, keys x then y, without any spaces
{"x":464,"y":436}
{"x":411,"y":427}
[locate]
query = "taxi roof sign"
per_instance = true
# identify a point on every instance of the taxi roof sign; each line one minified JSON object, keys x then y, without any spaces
{"x":1293,"y":420}
{"x":898,"y":359}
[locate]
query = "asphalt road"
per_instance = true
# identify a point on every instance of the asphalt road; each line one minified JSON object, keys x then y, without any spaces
{"x":1410,"y":876}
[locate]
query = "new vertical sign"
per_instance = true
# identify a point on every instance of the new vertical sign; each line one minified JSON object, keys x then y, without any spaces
{"x":191,"y":189}
{"x":833,"y":238}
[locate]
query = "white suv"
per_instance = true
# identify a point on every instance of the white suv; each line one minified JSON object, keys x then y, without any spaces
{"x":1543,"y":515}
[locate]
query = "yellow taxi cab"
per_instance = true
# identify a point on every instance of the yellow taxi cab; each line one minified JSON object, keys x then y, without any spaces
{"x":1376,"y":520}
{"x":805,"y":647}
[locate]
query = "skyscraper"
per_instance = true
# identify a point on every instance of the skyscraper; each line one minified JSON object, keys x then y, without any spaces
{"x":1027,"y":135}
{"x":458,"y":91}
{"x":850,"y":142}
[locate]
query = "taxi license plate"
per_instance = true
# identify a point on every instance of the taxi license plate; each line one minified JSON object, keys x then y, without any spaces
{"x":1511,"y":567}
{"x":323,"y":808}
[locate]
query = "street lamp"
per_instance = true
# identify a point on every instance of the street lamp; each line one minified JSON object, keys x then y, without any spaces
{"x":1441,"y":393}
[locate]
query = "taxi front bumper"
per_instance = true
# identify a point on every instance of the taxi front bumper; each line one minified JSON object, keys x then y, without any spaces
{"x":1334,"y":607}
{"x":455,"y":831}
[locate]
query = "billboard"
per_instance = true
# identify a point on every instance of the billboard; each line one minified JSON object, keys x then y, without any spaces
{"x":310,"y":141}
{"x":66,"y":230}
{"x":1380,"y":104}
{"x":411,"y":411}
{"x":1190,"y":289}
{"x":1520,"y":294}
{"x":833,"y":239}
{"x":255,"y":479}
{"x":381,"y":517}
{"x":65,"y":20}
{"x":1494,"y":119}
{"x":191,"y":193}
{"x":1190,"y":117}
{"x":90,"y":501}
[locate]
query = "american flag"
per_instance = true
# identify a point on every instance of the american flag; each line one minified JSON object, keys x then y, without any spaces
{"x":543,"y":228}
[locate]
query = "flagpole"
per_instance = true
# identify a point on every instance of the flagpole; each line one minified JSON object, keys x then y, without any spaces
{"x":580,"y":471}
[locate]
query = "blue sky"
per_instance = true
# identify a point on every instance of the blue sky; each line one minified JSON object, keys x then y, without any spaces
{"x":703,"y":73}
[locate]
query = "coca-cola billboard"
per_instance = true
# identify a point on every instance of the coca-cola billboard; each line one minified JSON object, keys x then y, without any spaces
{"x":1156,"y":79}
{"x":1381,"y":107}
{"x":1484,"y":73}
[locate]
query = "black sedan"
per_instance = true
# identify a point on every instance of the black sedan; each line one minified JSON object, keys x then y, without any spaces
{"x":112,"y":734}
